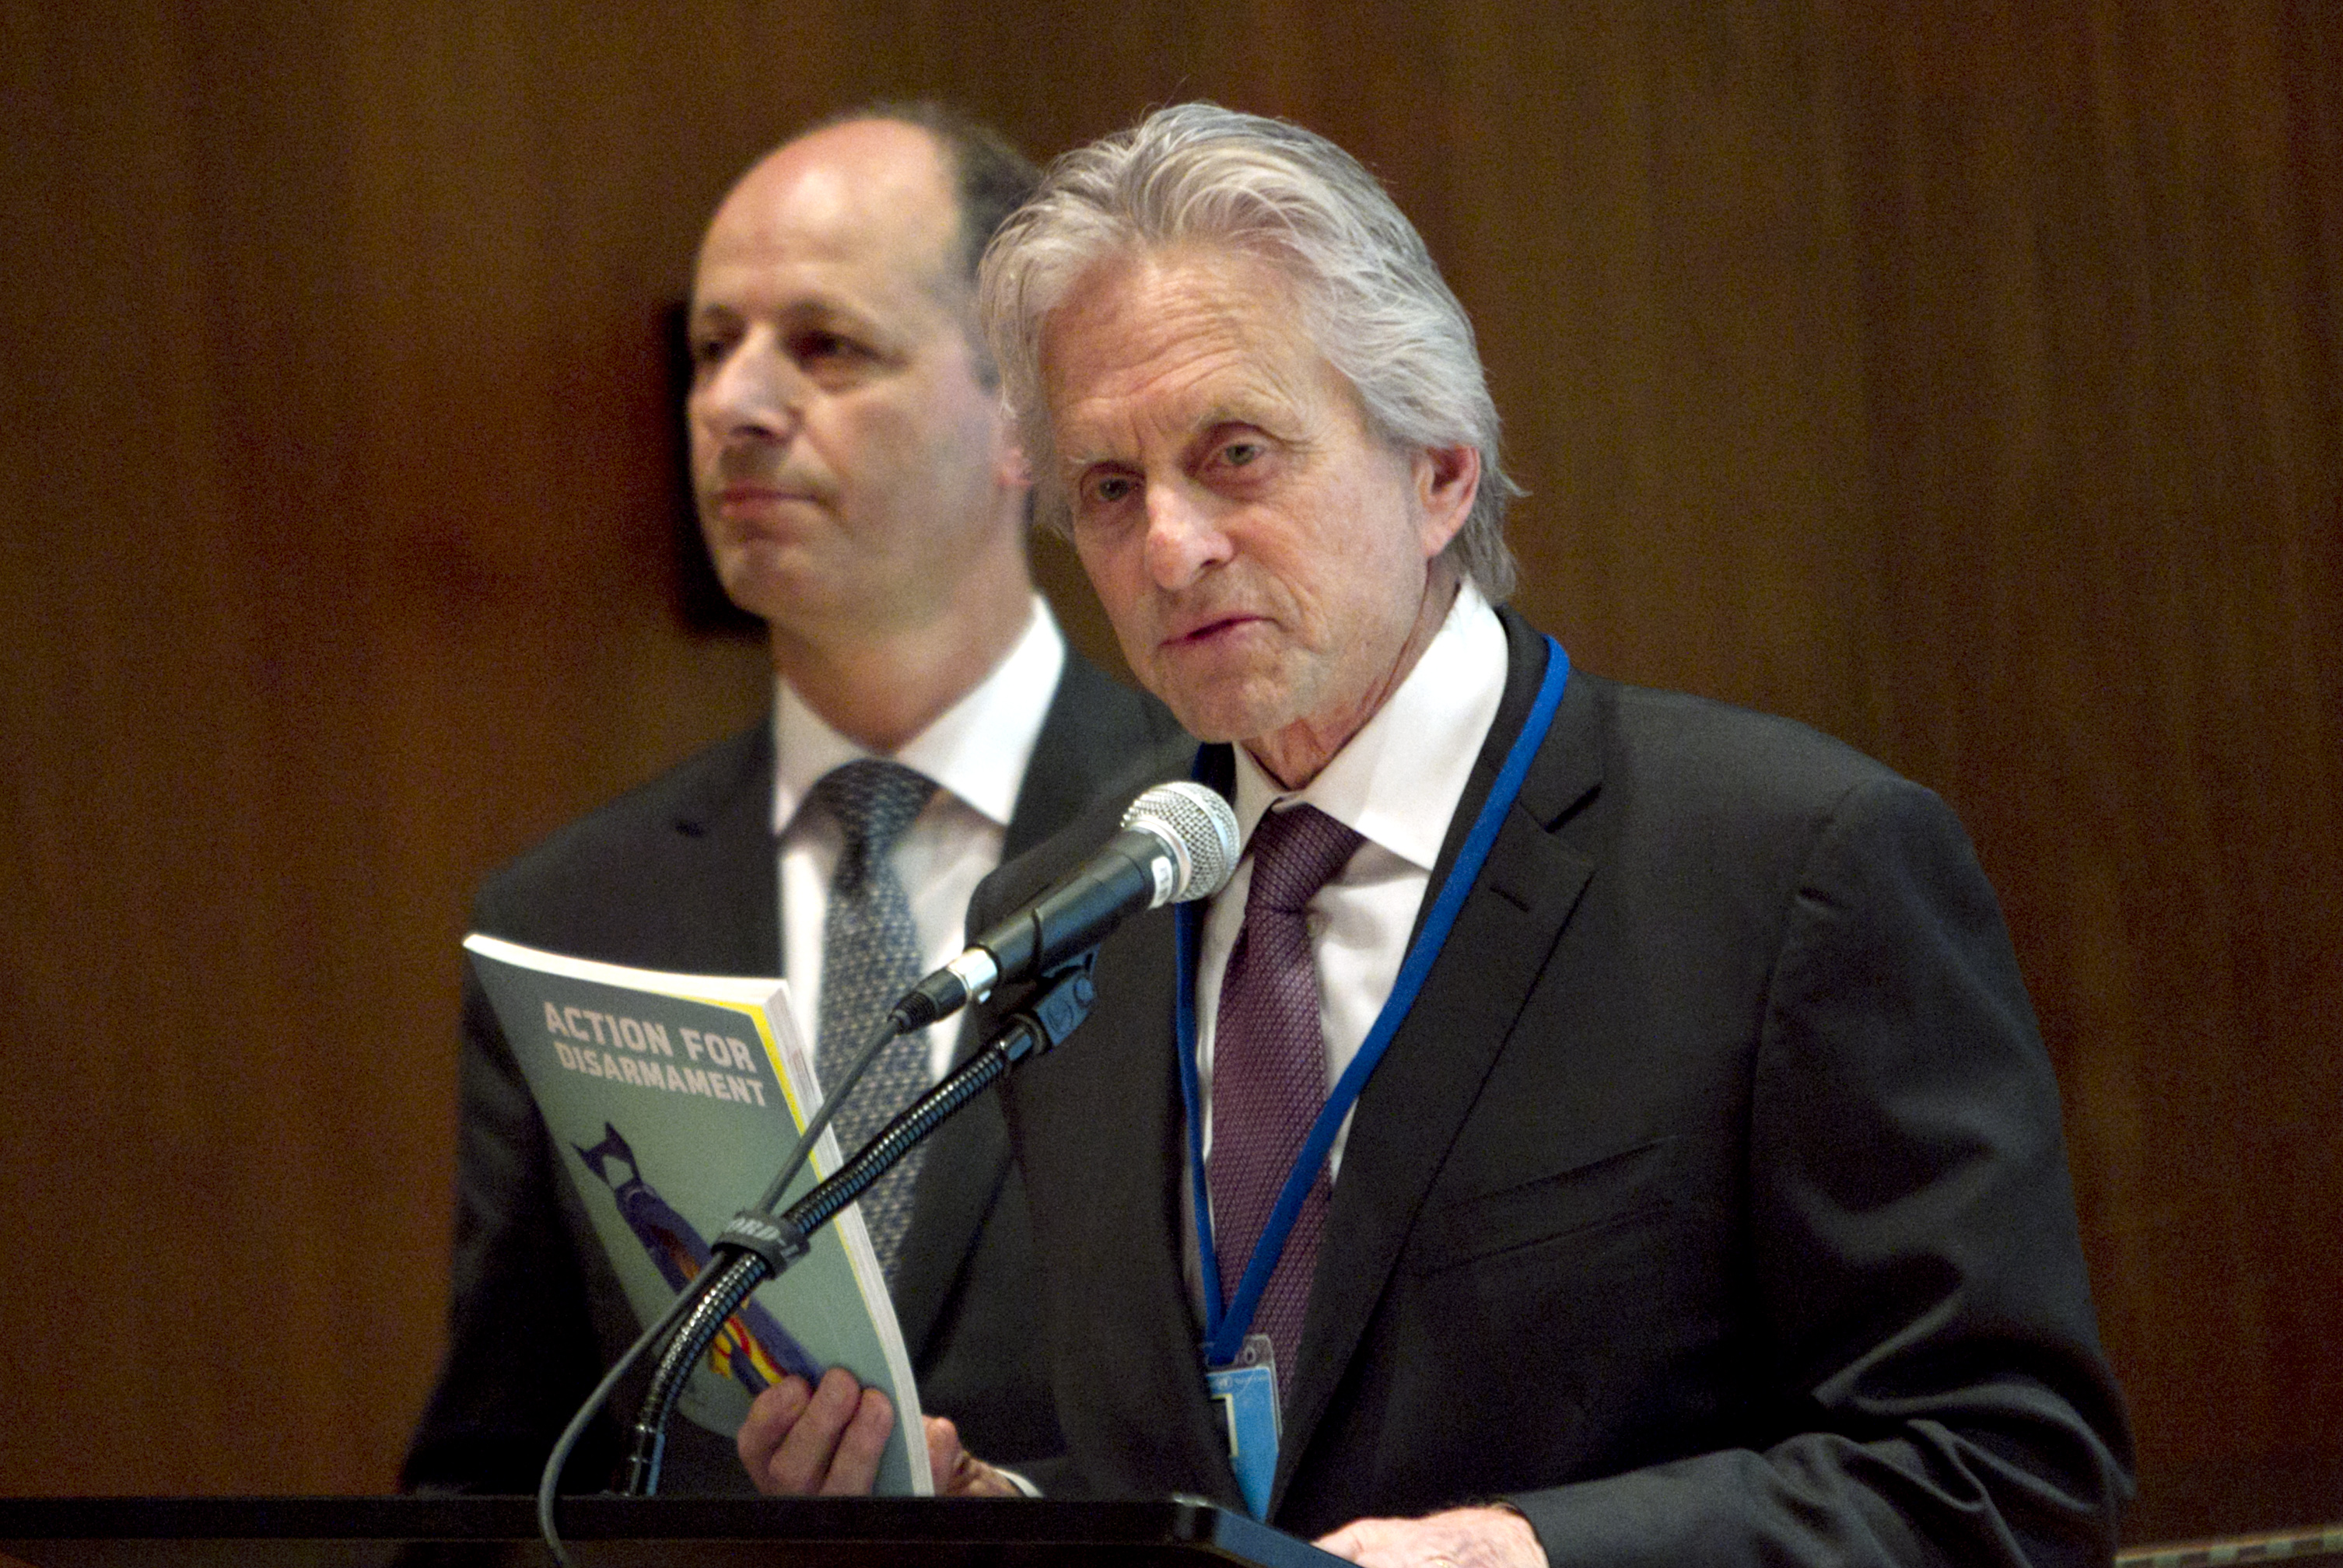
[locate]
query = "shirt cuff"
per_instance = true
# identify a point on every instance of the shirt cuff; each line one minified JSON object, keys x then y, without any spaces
{"x":1024,"y":1486}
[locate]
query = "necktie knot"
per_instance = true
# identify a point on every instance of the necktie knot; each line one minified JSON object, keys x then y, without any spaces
{"x":1295,"y":852}
{"x":874,"y":802}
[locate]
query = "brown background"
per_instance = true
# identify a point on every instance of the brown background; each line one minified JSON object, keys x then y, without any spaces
{"x":1963,"y":379}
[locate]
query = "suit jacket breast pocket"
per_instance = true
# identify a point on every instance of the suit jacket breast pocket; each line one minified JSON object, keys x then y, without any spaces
{"x":1597,"y":1195}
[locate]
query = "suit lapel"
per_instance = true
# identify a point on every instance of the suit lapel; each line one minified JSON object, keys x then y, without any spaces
{"x":1073,"y":756}
{"x":1101,"y":744}
{"x":958,"y":1183}
{"x":1091,"y":732}
{"x":1424,"y":1087}
{"x":724,"y":884}
{"x":1115,"y":1186}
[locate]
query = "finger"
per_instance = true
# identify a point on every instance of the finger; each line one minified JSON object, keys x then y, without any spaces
{"x":947,"y":1460}
{"x":771,"y":1416}
{"x":1371,"y":1543}
{"x":854,"y":1464}
{"x":1481,"y":1537}
{"x":800,"y":1465}
{"x":957,"y":1471}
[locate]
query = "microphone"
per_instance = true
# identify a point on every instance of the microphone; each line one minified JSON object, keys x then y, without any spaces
{"x":1178,"y":842}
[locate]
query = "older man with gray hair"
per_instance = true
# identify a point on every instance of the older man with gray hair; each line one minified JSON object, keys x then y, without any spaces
{"x":1595,"y":1125}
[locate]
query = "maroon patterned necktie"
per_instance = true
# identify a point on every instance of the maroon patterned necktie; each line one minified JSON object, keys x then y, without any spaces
{"x":1269,"y":1068}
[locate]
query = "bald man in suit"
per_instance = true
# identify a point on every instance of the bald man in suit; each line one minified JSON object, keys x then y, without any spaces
{"x":860,"y":491}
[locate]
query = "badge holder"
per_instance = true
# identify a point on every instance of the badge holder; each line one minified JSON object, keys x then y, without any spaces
{"x":1244,"y":1398}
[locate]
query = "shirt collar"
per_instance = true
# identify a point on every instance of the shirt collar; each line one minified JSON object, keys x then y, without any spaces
{"x":1398,"y":779}
{"x":976,"y":750}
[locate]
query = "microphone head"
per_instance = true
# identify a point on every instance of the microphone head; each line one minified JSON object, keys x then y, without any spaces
{"x":1197,"y":827}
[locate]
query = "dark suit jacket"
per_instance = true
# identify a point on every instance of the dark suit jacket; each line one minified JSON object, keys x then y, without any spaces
{"x":681,"y":875}
{"x":1711,"y":1205}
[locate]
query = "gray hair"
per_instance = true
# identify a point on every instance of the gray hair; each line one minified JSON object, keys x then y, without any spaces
{"x":1371,"y":297}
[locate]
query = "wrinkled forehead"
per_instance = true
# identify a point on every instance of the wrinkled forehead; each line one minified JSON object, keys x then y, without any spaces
{"x":1182,"y":336}
{"x":1141,"y":306}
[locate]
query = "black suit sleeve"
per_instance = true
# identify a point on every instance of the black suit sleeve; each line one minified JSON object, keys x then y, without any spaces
{"x":522,"y":1354}
{"x":1922,"y":1343}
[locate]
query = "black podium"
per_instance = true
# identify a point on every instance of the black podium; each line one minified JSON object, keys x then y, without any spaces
{"x":633,"y":1533}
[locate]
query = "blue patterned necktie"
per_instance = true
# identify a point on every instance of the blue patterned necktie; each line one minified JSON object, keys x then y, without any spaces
{"x":1269,"y":1068}
{"x":869,"y":958}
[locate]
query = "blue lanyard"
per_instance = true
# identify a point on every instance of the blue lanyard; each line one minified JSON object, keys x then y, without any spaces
{"x":1226,"y":1327}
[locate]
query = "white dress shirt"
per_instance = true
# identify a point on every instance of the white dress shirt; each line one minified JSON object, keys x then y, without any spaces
{"x":1396,"y":783}
{"x":976,"y":751}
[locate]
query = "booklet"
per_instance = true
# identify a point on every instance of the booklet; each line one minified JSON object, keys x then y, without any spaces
{"x":672,"y":1100}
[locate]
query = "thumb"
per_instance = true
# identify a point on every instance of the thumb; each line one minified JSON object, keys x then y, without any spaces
{"x":1348,"y":1542}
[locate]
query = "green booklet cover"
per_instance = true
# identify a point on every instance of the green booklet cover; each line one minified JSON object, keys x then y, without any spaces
{"x":672,"y":1100}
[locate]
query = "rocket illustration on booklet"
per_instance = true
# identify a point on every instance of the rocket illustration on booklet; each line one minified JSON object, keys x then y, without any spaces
{"x":712,"y":1085}
{"x":753,"y":1349}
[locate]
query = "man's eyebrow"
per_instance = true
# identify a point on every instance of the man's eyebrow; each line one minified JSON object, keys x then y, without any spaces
{"x":819,"y":309}
{"x":1070,"y":460}
{"x":1266,"y":413}
{"x":1264,"y":408}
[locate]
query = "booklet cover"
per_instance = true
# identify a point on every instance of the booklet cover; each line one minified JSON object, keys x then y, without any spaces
{"x":673,"y":1100}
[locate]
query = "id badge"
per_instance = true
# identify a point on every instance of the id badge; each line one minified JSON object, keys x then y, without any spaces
{"x":1244,"y":1398}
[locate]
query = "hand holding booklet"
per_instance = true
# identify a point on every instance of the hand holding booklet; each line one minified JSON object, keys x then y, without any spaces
{"x":671,"y":1101}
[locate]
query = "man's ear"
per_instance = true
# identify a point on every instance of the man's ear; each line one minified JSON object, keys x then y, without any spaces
{"x":1446,"y":478}
{"x":1011,"y":470}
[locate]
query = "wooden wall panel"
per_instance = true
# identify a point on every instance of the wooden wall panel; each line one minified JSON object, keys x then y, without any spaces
{"x":2099,"y":282}
{"x":1963,"y":379}
{"x":1653,"y":238}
